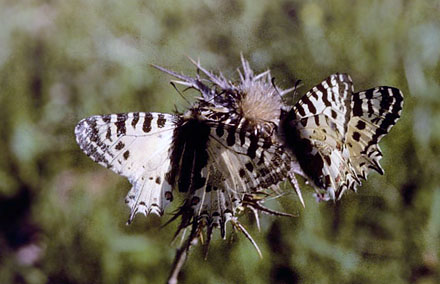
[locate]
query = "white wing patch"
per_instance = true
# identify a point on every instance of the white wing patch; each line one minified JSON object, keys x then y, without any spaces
{"x":134,"y":145}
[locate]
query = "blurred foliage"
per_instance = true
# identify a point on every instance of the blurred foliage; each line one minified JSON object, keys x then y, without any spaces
{"x":62,"y":217}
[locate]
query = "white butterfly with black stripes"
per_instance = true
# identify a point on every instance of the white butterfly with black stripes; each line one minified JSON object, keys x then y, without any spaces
{"x":334,"y":133}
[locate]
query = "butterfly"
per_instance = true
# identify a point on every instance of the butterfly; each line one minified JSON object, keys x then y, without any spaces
{"x":238,"y":142}
{"x":334,"y":132}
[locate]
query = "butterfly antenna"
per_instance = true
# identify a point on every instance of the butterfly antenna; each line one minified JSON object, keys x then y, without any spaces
{"x":216,"y":95}
{"x":297,"y":85}
{"x":180,"y":93}
{"x":272,"y":80}
{"x":293,"y":89}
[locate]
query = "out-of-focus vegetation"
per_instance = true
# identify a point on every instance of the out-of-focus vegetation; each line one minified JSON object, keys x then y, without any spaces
{"x":62,"y":217}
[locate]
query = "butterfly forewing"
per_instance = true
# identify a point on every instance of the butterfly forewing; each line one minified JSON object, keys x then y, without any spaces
{"x":134,"y":145}
{"x":328,"y":98}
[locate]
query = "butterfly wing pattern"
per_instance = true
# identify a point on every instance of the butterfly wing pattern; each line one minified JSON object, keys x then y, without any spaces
{"x":134,"y":145}
{"x":334,"y":132}
{"x":238,"y":142}
{"x":315,"y":128}
{"x":373,"y":113}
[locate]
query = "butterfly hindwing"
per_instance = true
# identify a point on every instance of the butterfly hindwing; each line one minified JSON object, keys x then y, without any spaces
{"x":135,"y":145}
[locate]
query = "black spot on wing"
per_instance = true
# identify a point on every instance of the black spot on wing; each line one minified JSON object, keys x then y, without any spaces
{"x":249,"y":167}
{"x":242,"y":173}
{"x":386,"y":101}
{"x":230,"y":140}
{"x":126,"y":154}
{"x":327,"y":180}
{"x":169,"y":195}
{"x":119,"y":146}
{"x":120,"y":124}
{"x":316,"y":118}
{"x":369,"y":96}
{"x":252,"y":149}
{"x":357,"y":105}
{"x":269,"y":181}
{"x":176,"y":151}
{"x":360,"y":125}
{"x":146,"y":127}
{"x":106,"y":118}
{"x":329,"y":91}
{"x":356,"y":136}
{"x":220,"y":130}
{"x":208,"y":188}
{"x":300,"y":109}
{"x":161,"y":120}
{"x":135,"y":119}
{"x":108,"y":135}
{"x":243,"y":131}
{"x":323,"y":91}
{"x":306,"y":100}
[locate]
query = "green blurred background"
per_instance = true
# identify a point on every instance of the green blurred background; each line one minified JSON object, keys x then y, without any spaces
{"x":62,"y":217}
